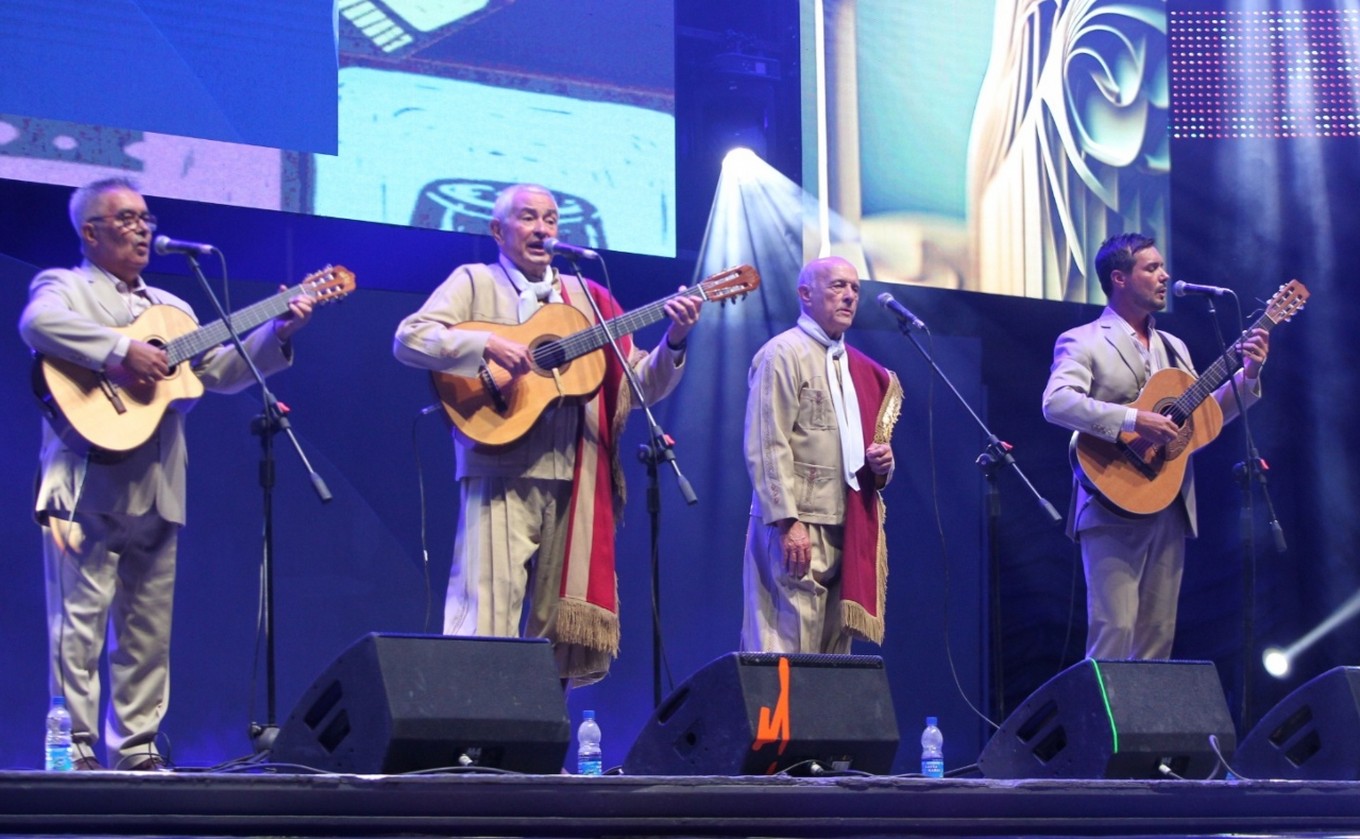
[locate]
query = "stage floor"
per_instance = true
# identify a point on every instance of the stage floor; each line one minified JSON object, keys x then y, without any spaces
{"x":261,"y":804}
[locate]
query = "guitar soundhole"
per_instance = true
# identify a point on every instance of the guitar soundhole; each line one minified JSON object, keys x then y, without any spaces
{"x":548,"y":354}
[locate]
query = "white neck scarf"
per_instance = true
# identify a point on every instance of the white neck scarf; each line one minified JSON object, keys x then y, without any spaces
{"x":532,"y":294}
{"x":843,"y":399}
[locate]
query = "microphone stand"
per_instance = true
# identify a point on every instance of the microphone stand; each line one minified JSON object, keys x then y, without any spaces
{"x":996,"y":454}
{"x":658,"y":450}
{"x":272,"y":420}
{"x":1253,"y":468}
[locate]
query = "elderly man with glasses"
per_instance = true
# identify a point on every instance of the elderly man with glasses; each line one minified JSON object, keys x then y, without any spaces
{"x":110,"y":521}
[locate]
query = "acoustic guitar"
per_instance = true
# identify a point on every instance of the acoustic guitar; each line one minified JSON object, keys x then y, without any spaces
{"x":495,"y":408}
{"x":1141,"y":478}
{"x":110,"y":413}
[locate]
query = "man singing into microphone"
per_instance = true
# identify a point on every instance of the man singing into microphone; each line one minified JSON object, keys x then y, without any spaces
{"x":819,"y":420}
{"x":1133,"y":565}
{"x":535,"y":541}
{"x":111,"y":521}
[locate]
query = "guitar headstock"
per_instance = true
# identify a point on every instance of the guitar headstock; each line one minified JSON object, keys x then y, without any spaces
{"x":731,"y":283}
{"x":1286,"y":302}
{"x":330,"y":283}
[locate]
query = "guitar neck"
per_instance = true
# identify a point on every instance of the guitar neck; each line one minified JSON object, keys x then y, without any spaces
{"x":195,"y":343}
{"x":589,"y":340}
{"x":1216,"y":374}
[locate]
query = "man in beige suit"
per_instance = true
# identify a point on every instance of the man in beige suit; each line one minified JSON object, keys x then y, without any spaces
{"x":1133,"y":565}
{"x":534,"y":552}
{"x":110,"y":525}
{"x":819,"y":419}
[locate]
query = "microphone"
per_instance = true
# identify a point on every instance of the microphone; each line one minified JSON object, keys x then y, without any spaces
{"x":1181,"y":288}
{"x":559,"y":248}
{"x":904,"y":314}
{"x":165,"y":245}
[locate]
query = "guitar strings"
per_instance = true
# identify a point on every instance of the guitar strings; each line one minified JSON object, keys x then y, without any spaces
{"x":593,"y":337}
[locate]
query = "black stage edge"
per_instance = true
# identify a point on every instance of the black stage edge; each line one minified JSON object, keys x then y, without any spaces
{"x":217,"y":804}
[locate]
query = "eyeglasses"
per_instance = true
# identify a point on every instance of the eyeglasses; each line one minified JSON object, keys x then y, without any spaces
{"x":127,"y":219}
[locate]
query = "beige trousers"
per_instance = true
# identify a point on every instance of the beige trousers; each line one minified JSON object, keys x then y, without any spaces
{"x":787,"y":615}
{"x":1133,"y":581}
{"x":509,"y":549}
{"x":102,"y":571}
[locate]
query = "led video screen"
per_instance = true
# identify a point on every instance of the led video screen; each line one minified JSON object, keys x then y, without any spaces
{"x":409,"y":112}
{"x":989,"y":145}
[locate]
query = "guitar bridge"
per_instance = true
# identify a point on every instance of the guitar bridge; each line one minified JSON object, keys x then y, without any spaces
{"x":1136,"y":460}
{"x":110,"y":391}
{"x":493,"y":390}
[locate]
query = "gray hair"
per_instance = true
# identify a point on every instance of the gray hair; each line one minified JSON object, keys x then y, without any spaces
{"x":83,"y":197}
{"x":501,"y":209}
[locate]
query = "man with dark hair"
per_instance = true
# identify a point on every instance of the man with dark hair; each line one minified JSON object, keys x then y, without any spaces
{"x":111,"y":524}
{"x":534,"y":551}
{"x":1133,"y":564}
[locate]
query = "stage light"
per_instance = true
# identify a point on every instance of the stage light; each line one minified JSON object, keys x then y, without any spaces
{"x":1276,"y":662}
{"x":756,"y":218}
{"x":1276,"y":658}
{"x":742,"y":164}
{"x":761,"y":217}
{"x":740,"y":157}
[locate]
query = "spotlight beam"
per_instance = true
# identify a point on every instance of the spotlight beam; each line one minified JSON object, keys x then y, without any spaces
{"x":1343,"y":613}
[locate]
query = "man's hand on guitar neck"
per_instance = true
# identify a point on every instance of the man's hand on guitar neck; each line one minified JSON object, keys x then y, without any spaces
{"x":1255,"y":346}
{"x":299,"y":313}
{"x":684,"y":314}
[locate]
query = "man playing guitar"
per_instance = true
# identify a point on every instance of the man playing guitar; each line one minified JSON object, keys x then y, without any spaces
{"x":1133,"y":564}
{"x":535,"y":533}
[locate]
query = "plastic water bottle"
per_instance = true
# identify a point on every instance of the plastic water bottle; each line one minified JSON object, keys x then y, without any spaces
{"x":58,"y":749}
{"x":588,"y":746}
{"x":932,"y":750}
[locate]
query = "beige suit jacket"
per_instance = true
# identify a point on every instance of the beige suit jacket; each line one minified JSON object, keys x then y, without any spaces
{"x":1096,"y":372}
{"x":68,"y":315}
{"x":476,"y":292}
{"x":793,"y":446}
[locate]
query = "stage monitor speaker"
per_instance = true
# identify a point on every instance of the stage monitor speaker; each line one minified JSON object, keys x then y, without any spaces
{"x":1312,"y":735}
{"x":761,"y":713}
{"x":397,"y":703}
{"x":1116,"y":719}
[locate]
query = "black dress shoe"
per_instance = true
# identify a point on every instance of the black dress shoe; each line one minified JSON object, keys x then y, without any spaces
{"x":152,"y":763}
{"x":87,"y":764}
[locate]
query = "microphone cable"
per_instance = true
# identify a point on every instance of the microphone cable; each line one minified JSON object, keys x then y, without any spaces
{"x":939,"y":531}
{"x":423,"y":513}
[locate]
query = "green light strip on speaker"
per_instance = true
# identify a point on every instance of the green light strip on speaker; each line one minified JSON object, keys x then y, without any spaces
{"x":1100,"y":682}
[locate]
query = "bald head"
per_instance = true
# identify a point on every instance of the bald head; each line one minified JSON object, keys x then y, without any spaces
{"x":828,"y":292}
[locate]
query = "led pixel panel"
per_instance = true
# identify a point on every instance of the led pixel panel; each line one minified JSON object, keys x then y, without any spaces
{"x":1238,"y":74}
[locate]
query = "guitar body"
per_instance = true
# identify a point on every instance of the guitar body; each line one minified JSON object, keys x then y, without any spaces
{"x":495,"y":408}
{"x":111,"y":412}
{"x":1139,"y":478}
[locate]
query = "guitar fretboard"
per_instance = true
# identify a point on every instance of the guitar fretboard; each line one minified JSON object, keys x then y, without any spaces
{"x":1216,"y":374}
{"x":192,"y":344}
{"x":556,"y":353}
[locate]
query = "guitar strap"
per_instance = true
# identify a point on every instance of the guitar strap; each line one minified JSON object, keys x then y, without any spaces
{"x":1173,"y":358}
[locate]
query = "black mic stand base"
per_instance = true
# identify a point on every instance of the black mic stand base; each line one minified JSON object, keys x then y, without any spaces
{"x":262,"y":737}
